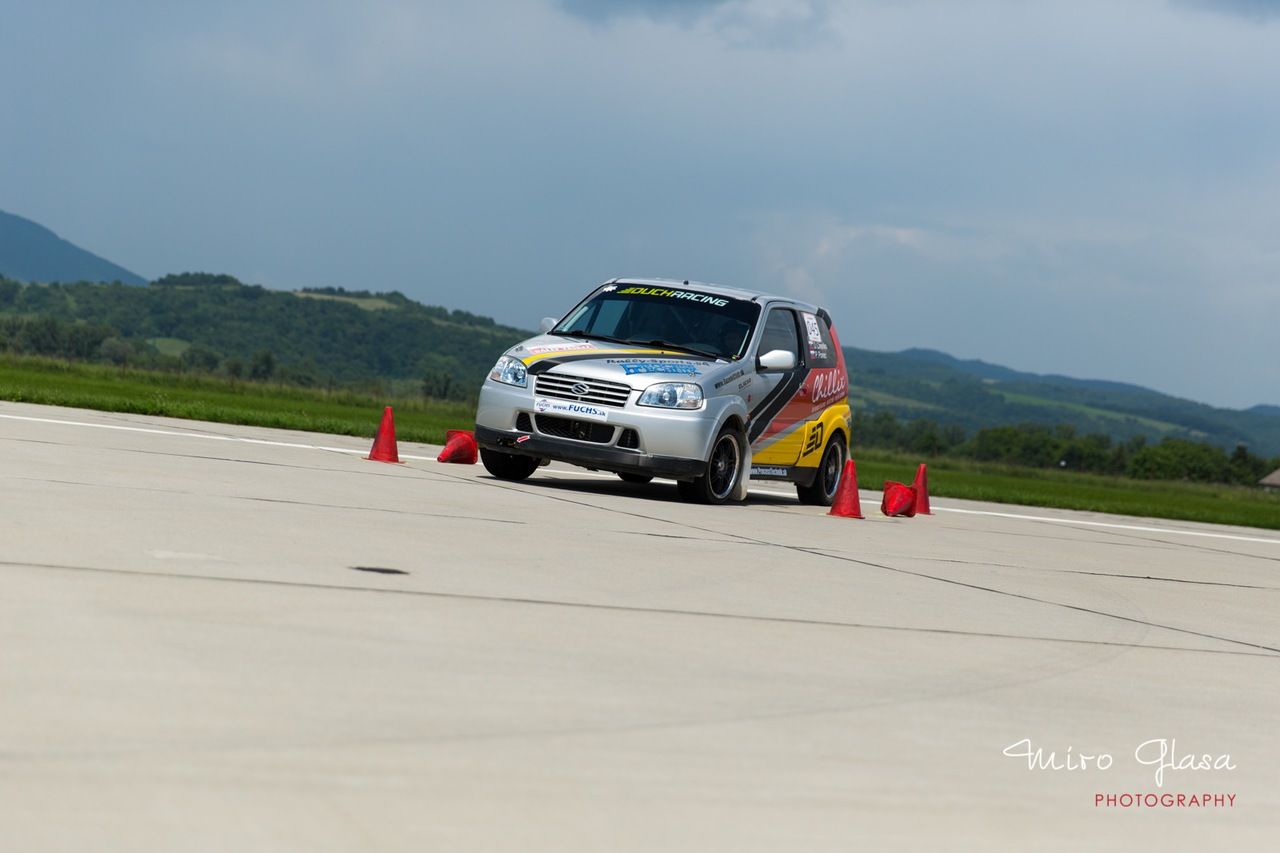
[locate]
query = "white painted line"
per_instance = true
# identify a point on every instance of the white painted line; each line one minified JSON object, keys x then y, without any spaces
{"x":1014,"y":515}
{"x":206,"y":436}
{"x":1110,"y":525}
{"x":209,"y":437}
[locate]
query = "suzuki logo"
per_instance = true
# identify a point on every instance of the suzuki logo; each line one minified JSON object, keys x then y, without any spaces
{"x":580,"y":388}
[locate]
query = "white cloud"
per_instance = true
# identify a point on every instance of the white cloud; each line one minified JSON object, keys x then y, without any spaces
{"x":743,"y":23}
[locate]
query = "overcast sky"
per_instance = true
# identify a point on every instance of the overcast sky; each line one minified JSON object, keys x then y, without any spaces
{"x":1085,"y":188}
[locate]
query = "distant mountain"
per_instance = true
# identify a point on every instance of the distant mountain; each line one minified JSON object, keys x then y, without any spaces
{"x":31,"y":252}
{"x":919,"y":383}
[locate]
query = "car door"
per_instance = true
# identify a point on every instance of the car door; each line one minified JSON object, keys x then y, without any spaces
{"x":778,"y":417}
{"x":825,"y":385}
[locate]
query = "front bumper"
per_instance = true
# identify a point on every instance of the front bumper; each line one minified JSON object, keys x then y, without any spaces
{"x":588,"y":455}
{"x":666,"y":443}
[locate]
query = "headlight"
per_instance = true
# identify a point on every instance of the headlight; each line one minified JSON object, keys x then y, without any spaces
{"x":511,"y":371}
{"x":672,"y":395}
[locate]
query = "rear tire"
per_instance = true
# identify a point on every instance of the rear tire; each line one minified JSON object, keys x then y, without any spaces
{"x":723,"y":471}
{"x":638,"y":479}
{"x":508,"y":466}
{"x":823,"y":490}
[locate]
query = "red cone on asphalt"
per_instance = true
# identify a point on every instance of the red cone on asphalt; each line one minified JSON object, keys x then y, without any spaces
{"x":921,"y":485}
{"x":846,"y":503}
{"x":460,"y":447}
{"x":384,"y":445}
{"x":899,"y":499}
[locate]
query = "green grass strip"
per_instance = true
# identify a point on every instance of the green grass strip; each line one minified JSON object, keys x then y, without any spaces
{"x":961,"y":478}
{"x":208,"y":398}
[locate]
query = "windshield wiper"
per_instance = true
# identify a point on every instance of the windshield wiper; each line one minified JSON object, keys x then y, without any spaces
{"x":668,"y":345}
{"x":654,"y":343}
{"x":590,"y":336}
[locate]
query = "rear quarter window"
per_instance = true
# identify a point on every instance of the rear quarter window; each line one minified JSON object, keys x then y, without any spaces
{"x":820,"y":350}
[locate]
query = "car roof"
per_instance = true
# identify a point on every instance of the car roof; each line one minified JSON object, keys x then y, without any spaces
{"x":718,"y":289}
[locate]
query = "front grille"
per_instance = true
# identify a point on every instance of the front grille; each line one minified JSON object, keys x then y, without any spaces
{"x":598,"y":391}
{"x":629,"y":439}
{"x":522,"y":422}
{"x":579,"y":430}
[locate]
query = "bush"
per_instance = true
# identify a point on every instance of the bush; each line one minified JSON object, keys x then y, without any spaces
{"x":263,"y":365}
{"x":200,"y":358}
{"x":116,"y":350}
{"x":1179,"y":459}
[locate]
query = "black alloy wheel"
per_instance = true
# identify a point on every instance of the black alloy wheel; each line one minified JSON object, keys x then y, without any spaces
{"x":823,"y":489}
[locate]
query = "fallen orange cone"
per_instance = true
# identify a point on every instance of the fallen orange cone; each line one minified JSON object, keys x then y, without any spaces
{"x":846,"y":503}
{"x":899,"y":499}
{"x":459,"y":447}
{"x":921,"y":485}
{"x":384,"y":445}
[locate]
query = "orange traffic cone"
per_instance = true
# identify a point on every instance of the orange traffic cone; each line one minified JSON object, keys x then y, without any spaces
{"x":846,"y":503}
{"x":384,"y":445}
{"x":460,"y":447}
{"x":899,"y":499}
{"x":921,"y":485}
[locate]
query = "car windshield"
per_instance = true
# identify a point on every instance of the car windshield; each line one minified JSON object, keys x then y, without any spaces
{"x":706,"y":323}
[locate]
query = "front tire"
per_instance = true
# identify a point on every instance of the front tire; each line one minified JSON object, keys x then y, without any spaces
{"x":823,"y":490}
{"x":723,"y":471}
{"x":508,"y":466}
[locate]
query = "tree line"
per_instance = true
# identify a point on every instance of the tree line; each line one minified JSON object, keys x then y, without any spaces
{"x":1060,"y":446}
{"x":219,"y":325}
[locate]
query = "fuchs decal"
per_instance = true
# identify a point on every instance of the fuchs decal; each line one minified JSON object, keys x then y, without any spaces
{"x":574,"y":410}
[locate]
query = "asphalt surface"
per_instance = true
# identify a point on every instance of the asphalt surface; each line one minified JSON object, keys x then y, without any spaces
{"x":226,"y":638}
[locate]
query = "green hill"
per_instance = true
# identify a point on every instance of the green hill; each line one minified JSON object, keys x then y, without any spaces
{"x":31,"y":252}
{"x":216,"y":323}
{"x":975,"y":394}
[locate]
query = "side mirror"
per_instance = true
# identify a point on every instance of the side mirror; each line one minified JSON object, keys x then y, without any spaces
{"x":546,"y":325}
{"x":777,"y":359}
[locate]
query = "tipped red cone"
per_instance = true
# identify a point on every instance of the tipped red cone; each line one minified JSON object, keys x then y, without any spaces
{"x":846,"y":503}
{"x":921,"y":485}
{"x":899,"y":499}
{"x":460,"y":447}
{"x":384,"y":446}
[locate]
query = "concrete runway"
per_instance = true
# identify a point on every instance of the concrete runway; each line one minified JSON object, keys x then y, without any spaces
{"x":191,"y":658}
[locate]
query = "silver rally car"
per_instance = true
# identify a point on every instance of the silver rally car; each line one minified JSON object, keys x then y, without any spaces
{"x":704,"y":384}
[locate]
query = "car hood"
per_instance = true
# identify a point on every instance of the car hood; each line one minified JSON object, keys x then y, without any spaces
{"x":636,"y":366}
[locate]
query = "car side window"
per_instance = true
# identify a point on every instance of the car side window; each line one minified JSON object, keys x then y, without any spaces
{"x":780,"y":333}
